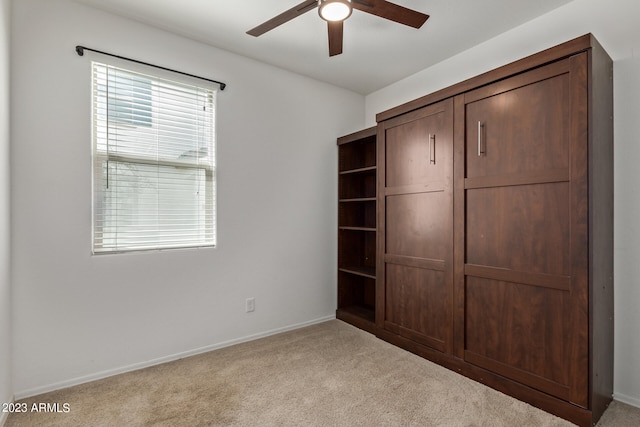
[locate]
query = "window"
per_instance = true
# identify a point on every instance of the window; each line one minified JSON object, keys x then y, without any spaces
{"x":154,"y":183}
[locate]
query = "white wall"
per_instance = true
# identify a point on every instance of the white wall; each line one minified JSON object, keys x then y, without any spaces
{"x":6,"y":390}
{"x":77,"y":316}
{"x":626,"y":229}
{"x":614,"y":24}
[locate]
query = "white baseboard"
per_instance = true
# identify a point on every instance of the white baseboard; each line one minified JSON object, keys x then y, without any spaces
{"x":633,"y":401}
{"x":134,"y":367}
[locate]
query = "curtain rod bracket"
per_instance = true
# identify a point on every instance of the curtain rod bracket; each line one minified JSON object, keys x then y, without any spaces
{"x":80,"y":51}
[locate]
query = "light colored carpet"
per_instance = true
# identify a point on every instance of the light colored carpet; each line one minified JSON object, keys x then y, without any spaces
{"x":330,"y":374}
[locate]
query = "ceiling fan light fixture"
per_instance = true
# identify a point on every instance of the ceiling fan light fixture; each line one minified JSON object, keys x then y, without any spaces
{"x":334,"y":10}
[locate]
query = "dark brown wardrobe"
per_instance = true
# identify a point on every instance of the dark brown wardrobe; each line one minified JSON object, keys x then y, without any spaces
{"x":495,"y":229}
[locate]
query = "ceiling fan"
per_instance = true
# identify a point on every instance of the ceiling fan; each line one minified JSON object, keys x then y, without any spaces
{"x":336,"y":11}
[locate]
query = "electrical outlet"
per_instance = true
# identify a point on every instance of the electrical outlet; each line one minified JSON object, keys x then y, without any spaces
{"x":250,"y":305}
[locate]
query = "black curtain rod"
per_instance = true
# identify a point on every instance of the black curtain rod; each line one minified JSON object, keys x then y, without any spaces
{"x":80,"y":51}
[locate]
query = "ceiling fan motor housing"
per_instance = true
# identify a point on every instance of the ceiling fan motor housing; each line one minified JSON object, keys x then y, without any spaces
{"x":334,"y":10}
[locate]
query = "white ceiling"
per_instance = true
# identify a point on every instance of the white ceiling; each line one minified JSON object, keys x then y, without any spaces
{"x":376,"y":52}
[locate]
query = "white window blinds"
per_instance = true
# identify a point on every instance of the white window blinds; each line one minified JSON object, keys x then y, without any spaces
{"x":154,"y":162}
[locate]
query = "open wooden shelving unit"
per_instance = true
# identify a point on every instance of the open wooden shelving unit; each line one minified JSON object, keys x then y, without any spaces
{"x":357,"y":208}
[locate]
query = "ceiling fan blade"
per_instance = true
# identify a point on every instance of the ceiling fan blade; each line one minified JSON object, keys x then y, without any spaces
{"x":285,"y":16}
{"x":392,"y":12}
{"x":335,"y":37}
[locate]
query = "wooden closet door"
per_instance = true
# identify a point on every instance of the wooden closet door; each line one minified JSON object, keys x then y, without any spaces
{"x":525,"y":278}
{"x":415,"y":225}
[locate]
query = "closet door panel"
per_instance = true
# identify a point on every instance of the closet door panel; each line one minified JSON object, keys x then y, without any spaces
{"x":523,"y":292}
{"x":416,"y":151}
{"x":414,"y":225}
{"x":523,"y":124}
{"x":415,"y":271}
{"x":519,"y":331}
{"x":524,"y":228}
{"x":416,"y":300}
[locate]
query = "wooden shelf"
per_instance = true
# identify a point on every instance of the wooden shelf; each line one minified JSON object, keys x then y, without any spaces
{"x":360,"y":170}
{"x":369,"y":272}
{"x":357,"y":185}
{"x":361,"y":199}
{"x":357,"y":151}
{"x":359,"y":316}
{"x":358,"y":228}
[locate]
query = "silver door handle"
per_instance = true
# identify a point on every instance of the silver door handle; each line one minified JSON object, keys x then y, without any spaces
{"x":432,"y":149}
{"x":480,"y":125}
